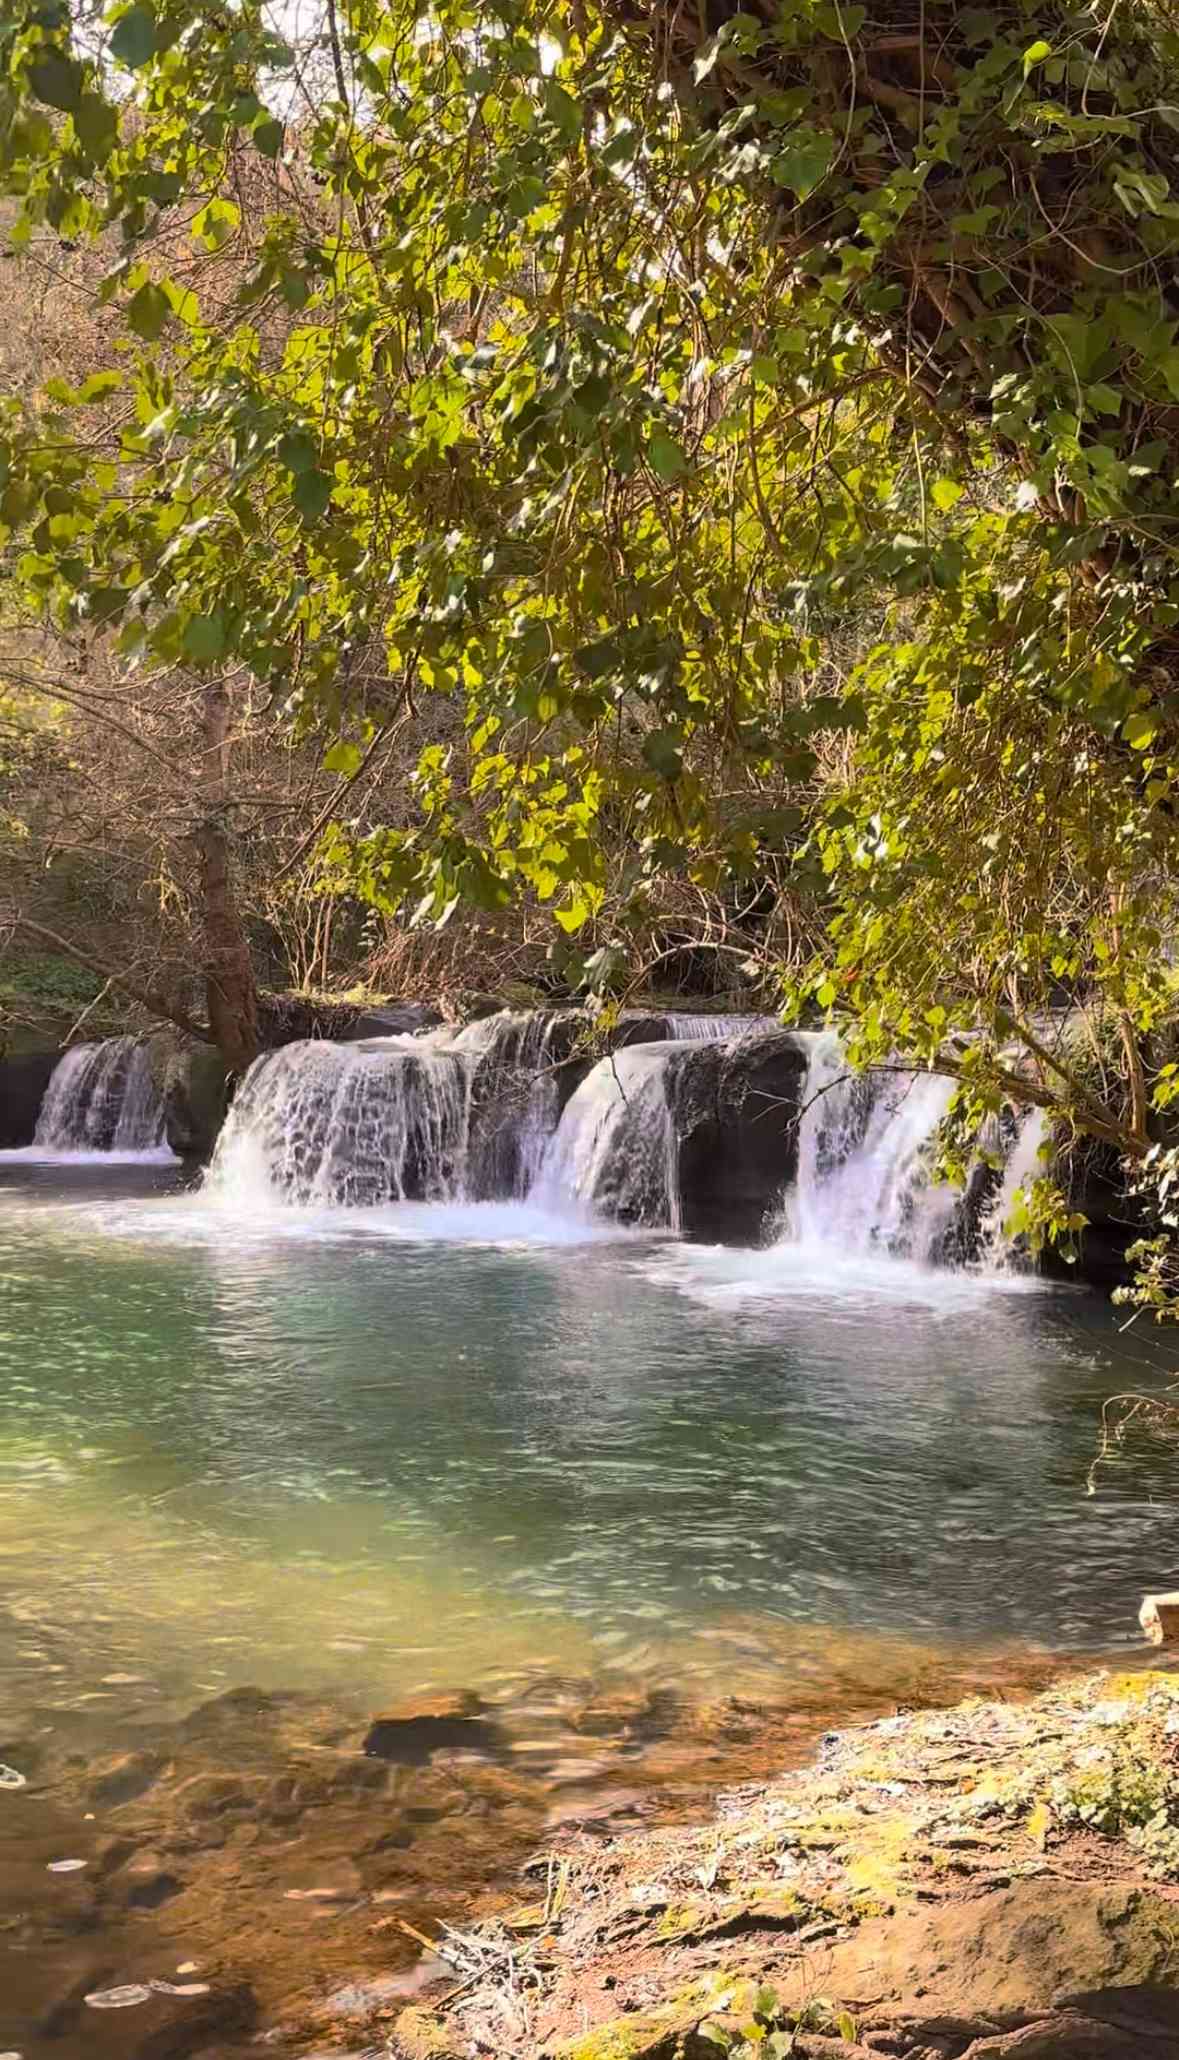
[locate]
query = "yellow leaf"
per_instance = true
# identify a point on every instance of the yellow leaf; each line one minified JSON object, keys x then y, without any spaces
{"x":1039,"y":1824}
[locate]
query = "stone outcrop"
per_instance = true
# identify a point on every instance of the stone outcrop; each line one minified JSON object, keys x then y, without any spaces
{"x":735,"y":1107}
{"x":23,"y":1081}
{"x":196,"y":1091}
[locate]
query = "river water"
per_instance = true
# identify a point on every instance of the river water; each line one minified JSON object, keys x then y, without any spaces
{"x":268,"y":1474}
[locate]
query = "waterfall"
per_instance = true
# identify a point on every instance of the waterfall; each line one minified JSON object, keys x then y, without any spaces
{"x":689,"y":1029}
{"x":864,"y":1181}
{"x":354,"y":1124}
{"x":102,"y":1098}
{"x":614,"y":1151}
{"x":997,"y":1250}
{"x":516,"y":1059}
{"x":486,"y":1112}
{"x":863,"y":1160}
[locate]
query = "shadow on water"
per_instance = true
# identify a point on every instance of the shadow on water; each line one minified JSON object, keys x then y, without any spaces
{"x":591,"y":1527}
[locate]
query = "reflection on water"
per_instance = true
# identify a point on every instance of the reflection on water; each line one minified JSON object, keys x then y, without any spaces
{"x":362,"y":1458}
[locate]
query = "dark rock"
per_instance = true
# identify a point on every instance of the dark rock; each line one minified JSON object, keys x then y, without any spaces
{"x":145,"y":1884}
{"x":23,"y":1082}
{"x":735,"y":1107}
{"x":224,"y":1716}
{"x":394,"y":1019}
{"x":196,"y":1096}
{"x":408,"y":1735}
{"x":635,"y":1026}
{"x":1094,"y":1180}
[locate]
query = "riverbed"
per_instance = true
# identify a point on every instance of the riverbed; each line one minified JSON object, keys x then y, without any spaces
{"x":631,"y":1518}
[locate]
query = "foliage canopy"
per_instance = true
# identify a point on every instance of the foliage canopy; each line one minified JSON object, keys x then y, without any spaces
{"x":760,"y":423}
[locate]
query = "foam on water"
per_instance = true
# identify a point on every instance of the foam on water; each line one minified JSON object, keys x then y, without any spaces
{"x":722,"y":1277}
{"x":257,"y":1217}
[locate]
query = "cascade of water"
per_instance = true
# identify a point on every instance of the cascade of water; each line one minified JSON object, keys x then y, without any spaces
{"x":689,"y":1029}
{"x":102,"y":1098}
{"x":515,"y":1057}
{"x":357,"y":1124}
{"x":997,"y":1249}
{"x":863,"y":1160}
{"x":614,"y":1151}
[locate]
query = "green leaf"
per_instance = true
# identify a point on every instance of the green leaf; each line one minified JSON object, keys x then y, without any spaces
{"x":95,"y":125}
{"x":1140,"y":729}
{"x":661,"y":749}
{"x":99,"y":385}
{"x":596,"y":660}
{"x":343,"y":757}
{"x":204,"y":638}
{"x":1168,"y":365}
{"x":312,"y":490}
{"x":1034,"y":55}
{"x":134,"y":38}
{"x":803,"y":163}
{"x":562,"y":109}
{"x":58,"y":82}
{"x":945,"y":494}
{"x":268,"y":136}
{"x":297,"y":450}
{"x":666,"y":456}
{"x":148,"y":311}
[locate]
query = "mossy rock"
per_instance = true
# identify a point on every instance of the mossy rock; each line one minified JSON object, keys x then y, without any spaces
{"x":419,"y":2035}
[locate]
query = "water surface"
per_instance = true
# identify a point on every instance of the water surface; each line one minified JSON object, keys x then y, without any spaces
{"x":345,"y":1458}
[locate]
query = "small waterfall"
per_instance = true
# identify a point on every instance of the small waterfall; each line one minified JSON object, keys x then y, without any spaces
{"x":516,"y":1059}
{"x":614,"y":1151}
{"x":863,"y":1160}
{"x":102,"y":1098}
{"x":998,"y":1251}
{"x":352,"y":1124}
{"x":688,"y":1029}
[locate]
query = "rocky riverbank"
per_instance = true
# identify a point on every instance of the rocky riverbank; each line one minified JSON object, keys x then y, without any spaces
{"x":995,"y":1881}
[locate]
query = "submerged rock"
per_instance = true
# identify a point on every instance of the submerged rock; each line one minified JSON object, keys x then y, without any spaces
{"x":426,"y":1724}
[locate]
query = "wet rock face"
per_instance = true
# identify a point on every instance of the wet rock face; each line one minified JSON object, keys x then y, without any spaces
{"x":735,"y":1107}
{"x":196,"y":1096}
{"x":23,"y":1082}
{"x":393,"y":1019}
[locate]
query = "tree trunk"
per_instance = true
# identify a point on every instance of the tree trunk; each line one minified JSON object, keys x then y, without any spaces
{"x":228,"y":968}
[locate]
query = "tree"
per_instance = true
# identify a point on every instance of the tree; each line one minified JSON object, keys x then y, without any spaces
{"x":760,"y":424}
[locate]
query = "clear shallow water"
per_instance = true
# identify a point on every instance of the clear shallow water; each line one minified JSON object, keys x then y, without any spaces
{"x":266,"y":1473}
{"x":419,"y":1446}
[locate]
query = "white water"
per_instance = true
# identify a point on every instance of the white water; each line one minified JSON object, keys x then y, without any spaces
{"x":465,"y":1117}
{"x":710,"y":1029}
{"x":102,"y":1099}
{"x":614,"y":1152}
{"x":328,"y":1125}
{"x":997,"y":1249}
{"x":864,"y":1147}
